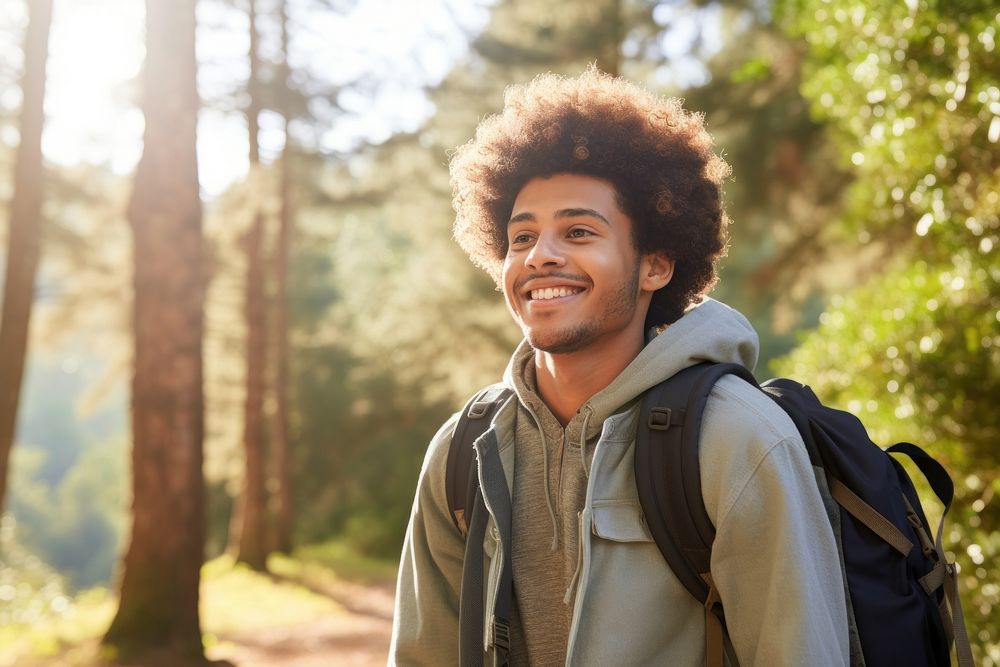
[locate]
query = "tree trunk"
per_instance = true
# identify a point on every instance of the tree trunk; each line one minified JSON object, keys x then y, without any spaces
{"x":158,"y":610}
{"x":250,"y":537}
{"x":282,"y":449}
{"x":609,"y":51}
{"x":24,"y":241}
{"x":248,"y":530}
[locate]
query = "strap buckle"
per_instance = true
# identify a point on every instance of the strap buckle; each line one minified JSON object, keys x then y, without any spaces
{"x":479,"y":409}
{"x":659,"y":418}
{"x":501,"y":641}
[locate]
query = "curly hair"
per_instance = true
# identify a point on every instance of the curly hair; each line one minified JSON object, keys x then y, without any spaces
{"x":657,"y":156}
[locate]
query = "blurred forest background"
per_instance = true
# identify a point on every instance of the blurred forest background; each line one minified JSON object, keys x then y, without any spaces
{"x":239,"y":341}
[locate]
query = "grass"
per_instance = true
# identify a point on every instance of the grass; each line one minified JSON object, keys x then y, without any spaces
{"x":86,"y":618}
{"x":234,"y":600}
{"x":338,"y":557}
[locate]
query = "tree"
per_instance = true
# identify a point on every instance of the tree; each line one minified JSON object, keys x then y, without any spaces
{"x":158,"y":608}
{"x":281,"y":445}
{"x":25,"y":238}
{"x":249,"y":527}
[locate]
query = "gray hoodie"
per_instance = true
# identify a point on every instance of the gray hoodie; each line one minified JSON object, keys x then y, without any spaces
{"x":591,"y":587}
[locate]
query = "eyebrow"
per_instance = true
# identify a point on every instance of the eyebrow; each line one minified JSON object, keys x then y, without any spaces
{"x":528,"y":216}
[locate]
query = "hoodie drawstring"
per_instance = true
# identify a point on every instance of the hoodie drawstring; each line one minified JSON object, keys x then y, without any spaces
{"x":583,"y":441}
{"x":545,"y":477}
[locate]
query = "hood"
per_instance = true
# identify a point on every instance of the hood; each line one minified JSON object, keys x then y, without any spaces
{"x":709,"y":331}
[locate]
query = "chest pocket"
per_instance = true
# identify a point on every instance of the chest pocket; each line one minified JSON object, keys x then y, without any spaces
{"x":620,"y":521}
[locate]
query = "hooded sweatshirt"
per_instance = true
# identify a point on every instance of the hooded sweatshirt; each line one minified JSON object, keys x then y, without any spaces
{"x":591,"y":587}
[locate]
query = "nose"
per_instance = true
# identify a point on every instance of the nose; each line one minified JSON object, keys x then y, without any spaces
{"x":546,"y":252}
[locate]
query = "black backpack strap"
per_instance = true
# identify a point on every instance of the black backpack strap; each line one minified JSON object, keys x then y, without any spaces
{"x":935,"y":473}
{"x":461,"y":480}
{"x":470,"y":515}
{"x":944,"y":572}
{"x":668,"y":481}
{"x":470,"y":613}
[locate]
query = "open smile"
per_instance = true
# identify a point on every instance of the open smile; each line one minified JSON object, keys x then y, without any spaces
{"x":549,"y":293}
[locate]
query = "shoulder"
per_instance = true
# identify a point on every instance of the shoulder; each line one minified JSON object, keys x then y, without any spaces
{"x":737,"y":406}
{"x":437,"y":450}
{"x":741,"y":429}
{"x":431,"y":483}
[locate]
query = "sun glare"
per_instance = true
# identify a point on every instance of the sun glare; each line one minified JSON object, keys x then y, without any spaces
{"x":96,"y":53}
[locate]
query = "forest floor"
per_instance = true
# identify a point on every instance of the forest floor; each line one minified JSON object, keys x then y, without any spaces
{"x":358,"y":636}
{"x":318,"y":608}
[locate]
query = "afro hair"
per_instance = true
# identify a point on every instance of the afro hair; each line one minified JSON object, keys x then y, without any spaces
{"x":658,"y":157}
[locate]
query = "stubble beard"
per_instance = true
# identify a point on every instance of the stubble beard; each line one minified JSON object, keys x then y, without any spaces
{"x":620,"y":304}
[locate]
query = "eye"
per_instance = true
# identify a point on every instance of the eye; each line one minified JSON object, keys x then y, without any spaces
{"x":520,"y":238}
{"x":579,"y":233}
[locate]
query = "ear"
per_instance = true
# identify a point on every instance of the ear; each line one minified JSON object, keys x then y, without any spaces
{"x":656,"y":270}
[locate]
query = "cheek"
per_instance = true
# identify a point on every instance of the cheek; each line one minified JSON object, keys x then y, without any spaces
{"x":610,"y":268}
{"x":507,"y":279}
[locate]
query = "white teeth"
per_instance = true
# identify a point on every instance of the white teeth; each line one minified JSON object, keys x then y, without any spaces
{"x":552,"y":292}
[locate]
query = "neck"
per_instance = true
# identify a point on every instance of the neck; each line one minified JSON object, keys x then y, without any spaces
{"x":567,"y":381}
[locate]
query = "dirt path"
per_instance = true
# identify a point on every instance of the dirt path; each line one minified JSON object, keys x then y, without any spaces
{"x":357,"y":638}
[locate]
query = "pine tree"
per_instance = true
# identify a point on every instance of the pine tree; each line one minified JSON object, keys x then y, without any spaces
{"x":249,"y":526}
{"x":158,"y":608}
{"x":25,"y":237}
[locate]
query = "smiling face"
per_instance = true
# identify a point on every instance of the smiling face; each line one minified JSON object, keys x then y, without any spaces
{"x":572,"y":276}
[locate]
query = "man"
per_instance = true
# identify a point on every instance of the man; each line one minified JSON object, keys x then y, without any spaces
{"x":596,"y":207}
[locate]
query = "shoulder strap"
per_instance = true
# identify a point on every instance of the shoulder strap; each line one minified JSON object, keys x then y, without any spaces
{"x":668,"y":475}
{"x":940,"y":482}
{"x":461,"y":480}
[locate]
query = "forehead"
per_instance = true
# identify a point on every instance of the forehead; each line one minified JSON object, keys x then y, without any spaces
{"x":560,"y":191}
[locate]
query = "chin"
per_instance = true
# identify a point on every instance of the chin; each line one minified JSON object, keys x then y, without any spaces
{"x":561,"y":342}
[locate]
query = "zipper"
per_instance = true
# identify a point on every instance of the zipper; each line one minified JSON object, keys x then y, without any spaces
{"x":562,"y":468}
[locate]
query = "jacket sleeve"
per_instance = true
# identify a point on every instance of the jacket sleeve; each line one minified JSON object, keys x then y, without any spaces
{"x":775,"y":560}
{"x":425,"y":622}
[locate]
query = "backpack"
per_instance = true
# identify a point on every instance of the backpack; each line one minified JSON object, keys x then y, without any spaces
{"x":903,"y":605}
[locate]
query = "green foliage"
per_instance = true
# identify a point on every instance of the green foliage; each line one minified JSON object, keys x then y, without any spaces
{"x":911,"y":92}
{"x":357,"y":477}
{"x":70,"y":516}
{"x":29,"y":589}
{"x":755,"y":69}
{"x":334,"y":559}
{"x":911,"y":95}
{"x":39,"y":616}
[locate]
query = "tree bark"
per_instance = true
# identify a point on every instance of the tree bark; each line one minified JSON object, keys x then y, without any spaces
{"x":249,"y":525}
{"x":284,"y":516}
{"x":158,"y":609}
{"x":25,"y":238}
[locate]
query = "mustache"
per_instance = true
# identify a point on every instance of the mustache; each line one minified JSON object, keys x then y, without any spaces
{"x":574,"y":277}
